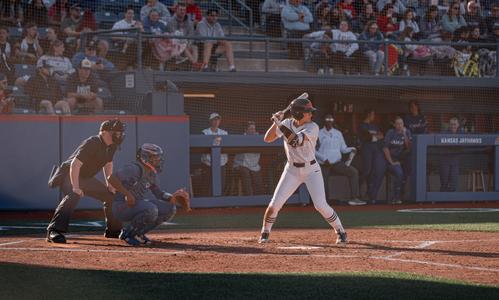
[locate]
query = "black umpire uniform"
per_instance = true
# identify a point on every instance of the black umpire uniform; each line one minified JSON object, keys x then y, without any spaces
{"x":94,"y":154}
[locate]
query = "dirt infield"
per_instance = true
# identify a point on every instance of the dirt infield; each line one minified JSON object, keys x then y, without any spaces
{"x":468,"y":256}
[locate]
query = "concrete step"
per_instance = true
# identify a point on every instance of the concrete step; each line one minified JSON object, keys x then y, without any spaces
{"x":258,"y":65}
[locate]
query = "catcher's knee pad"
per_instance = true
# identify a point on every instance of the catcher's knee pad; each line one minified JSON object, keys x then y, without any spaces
{"x":151,"y":214}
{"x":169,"y":216}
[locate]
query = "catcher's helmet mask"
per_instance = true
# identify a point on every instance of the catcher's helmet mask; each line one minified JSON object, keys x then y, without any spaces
{"x":151,"y":156}
{"x":301,"y":105}
{"x":116,"y":128}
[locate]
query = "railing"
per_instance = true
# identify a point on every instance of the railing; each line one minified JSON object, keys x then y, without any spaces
{"x":231,"y":16}
{"x":269,"y":40}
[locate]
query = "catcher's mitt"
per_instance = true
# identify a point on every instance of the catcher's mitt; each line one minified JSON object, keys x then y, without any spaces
{"x":182,"y":197}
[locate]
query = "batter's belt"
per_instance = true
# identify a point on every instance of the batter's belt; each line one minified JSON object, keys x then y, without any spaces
{"x":302,"y":165}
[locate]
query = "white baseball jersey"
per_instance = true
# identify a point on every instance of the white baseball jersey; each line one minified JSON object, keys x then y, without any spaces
{"x":306,"y":152}
{"x":206,"y":158}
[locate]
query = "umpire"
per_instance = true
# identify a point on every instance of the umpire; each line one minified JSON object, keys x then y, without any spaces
{"x":76,"y":178}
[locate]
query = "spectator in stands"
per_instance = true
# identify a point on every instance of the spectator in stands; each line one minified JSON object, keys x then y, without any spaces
{"x":88,"y":22}
{"x":431,"y":23}
{"x":100,"y":64}
{"x":153,"y":24}
{"x":421,"y":53}
{"x":128,"y":46}
{"x":70,"y":27}
{"x":415,"y":121}
{"x":331,"y":18}
{"x":475,"y":37}
{"x":193,"y":12}
{"x":29,"y":50}
{"x":473,"y":18}
{"x":82,"y":89}
{"x":387,"y":21}
{"x":36,"y":12}
{"x":214,"y":129}
{"x":344,"y":54}
{"x":397,"y":5}
{"x":348,"y":9}
{"x":209,"y":27}
{"x":368,"y":14}
{"x":321,"y":9}
{"x":462,"y":35}
{"x":321,"y":51}
{"x":330,"y":147}
{"x":373,"y":51}
{"x":397,"y":145}
{"x":153,"y":55}
{"x":247,"y":166}
{"x":180,"y":24}
{"x":409,"y":21}
{"x":11,"y":13}
{"x":58,"y":12}
{"x":7,"y":68}
{"x":453,"y":20}
{"x":493,"y":19}
{"x":272,"y":11}
{"x":45,"y":91}
{"x":52,"y":34}
{"x":60,"y":66}
{"x":7,"y":102}
{"x":373,"y":161}
{"x":296,"y":19}
{"x":160,"y":8}
{"x":449,"y":161}
{"x":102,"y":56}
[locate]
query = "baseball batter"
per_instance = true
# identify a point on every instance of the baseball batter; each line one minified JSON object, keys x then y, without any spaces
{"x":300,"y":137}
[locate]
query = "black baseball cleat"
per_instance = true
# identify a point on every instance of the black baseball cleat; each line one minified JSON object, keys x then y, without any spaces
{"x":112,"y":234}
{"x":342,"y":238}
{"x":264,"y":238}
{"x":56,"y":237}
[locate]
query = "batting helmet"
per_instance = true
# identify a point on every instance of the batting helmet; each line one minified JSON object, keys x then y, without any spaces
{"x":151,"y":155}
{"x":117,"y":129}
{"x":301,"y":105}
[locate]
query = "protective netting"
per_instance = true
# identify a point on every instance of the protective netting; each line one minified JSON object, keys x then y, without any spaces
{"x":474,"y":109}
{"x":343,"y":37}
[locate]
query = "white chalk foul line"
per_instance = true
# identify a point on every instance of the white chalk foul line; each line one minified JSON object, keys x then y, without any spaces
{"x":12,"y":243}
{"x":425,"y":244}
{"x":91,"y":250}
{"x":423,"y":262}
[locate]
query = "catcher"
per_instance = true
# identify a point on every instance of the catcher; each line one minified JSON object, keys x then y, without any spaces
{"x":131,"y":183}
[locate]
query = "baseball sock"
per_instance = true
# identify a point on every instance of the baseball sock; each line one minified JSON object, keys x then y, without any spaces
{"x":335,"y":222}
{"x":267,"y":225}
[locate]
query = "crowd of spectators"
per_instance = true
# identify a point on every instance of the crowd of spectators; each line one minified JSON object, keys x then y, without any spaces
{"x":371,"y":20}
{"x":58,"y":34}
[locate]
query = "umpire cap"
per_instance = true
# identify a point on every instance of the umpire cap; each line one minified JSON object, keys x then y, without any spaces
{"x":112,"y":125}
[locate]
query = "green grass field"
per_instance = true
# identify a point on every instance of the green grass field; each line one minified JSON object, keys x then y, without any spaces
{"x":30,"y":282}
{"x":22,"y":282}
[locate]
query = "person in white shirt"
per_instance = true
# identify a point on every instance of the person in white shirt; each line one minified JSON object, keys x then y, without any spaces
{"x":331,"y":146}
{"x":128,"y":46}
{"x":345,"y":54}
{"x":214,"y":129}
{"x":247,"y":165}
{"x":164,"y":13}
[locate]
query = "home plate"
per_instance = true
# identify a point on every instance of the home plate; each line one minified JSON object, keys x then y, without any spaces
{"x":300,"y":248}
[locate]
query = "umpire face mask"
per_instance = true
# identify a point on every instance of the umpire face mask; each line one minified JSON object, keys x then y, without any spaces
{"x":117,"y":137}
